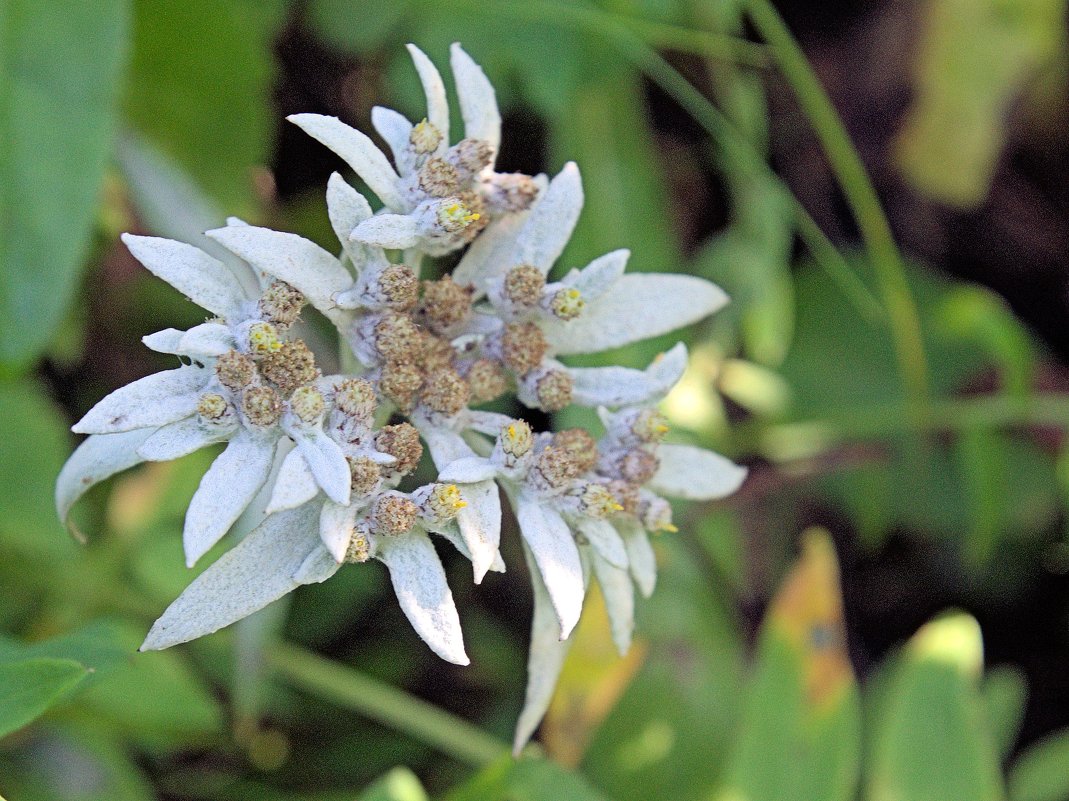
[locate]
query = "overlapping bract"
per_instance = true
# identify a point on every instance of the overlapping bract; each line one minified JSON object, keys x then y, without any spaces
{"x":313,"y":472}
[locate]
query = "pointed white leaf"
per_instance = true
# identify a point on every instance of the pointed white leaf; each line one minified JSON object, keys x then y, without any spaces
{"x":226,"y":489}
{"x":179,"y":439}
{"x":419,"y":581}
{"x":357,"y":151}
{"x":316,"y":568}
{"x":598,"y":276}
{"x":544,"y":660}
{"x":695,"y":473}
{"x":468,"y":470}
{"x":619,"y":595}
{"x":639,"y":306}
{"x":640,"y":556}
{"x":97,"y":458}
{"x":550,"y":223}
{"x":478,"y":104}
{"x":165,"y":341}
{"x":622,"y":386}
{"x":434,"y":90}
{"x":605,"y":540}
{"x":336,"y":528}
{"x":480,"y":524}
{"x":347,"y":208}
{"x":207,"y":340}
{"x":152,"y":401}
{"x":391,"y":231}
{"x":204,"y":280}
{"x":294,"y":486}
{"x":252,"y":574}
{"x":326,"y":461}
{"x":490,"y":255}
{"x":446,"y":446}
{"x":557,"y":557}
{"x":290,"y":258}
{"x":396,"y":131}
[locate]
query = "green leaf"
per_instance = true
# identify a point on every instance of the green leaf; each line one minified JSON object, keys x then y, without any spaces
{"x":526,"y":779}
{"x":33,"y":446}
{"x":1005,"y":693}
{"x":930,"y":742}
{"x":1042,"y":772}
{"x":974,"y":57}
{"x":800,"y":735}
{"x":200,"y":89}
{"x":29,"y":687}
{"x":400,"y":784}
{"x":60,"y":66}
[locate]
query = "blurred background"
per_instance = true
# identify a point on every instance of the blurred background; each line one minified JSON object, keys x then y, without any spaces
{"x":881,"y":613}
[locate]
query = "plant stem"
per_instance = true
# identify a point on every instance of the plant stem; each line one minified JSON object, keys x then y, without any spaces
{"x":379,"y":701}
{"x":860,"y":194}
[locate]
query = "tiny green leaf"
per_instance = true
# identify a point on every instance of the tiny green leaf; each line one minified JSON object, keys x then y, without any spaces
{"x":29,"y":687}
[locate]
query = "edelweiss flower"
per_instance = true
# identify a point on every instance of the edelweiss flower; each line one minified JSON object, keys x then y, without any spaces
{"x":439,"y":197}
{"x":249,"y":385}
{"x":311,"y":463}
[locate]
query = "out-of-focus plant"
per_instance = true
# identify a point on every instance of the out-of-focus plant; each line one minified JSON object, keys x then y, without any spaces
{"x":893,"y":402}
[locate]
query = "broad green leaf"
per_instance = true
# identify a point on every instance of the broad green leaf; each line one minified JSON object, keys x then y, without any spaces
{"x":60,"y":68}
{"x":975,"y":56}
{"x":1005,"y":692}
{"x":199,"y":89}
{"x":1041,"y":773}
{"x":400,"y":784}
{"x":800,"y":735}
{"x":33,"y":446}
{"x":30,"y":686}
{"x":526,"y":779}
{"x":929,"y":740}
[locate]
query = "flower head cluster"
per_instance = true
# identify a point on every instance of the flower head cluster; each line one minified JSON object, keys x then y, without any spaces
{"x":316,"y":471}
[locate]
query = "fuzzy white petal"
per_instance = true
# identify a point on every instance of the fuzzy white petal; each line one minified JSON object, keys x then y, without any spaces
{"x":347,"y":208}
{"x":252,"y":574}
{"x":207,"y":340}
{"x":391,"y":231}
{"x":480,"y":524}
{"x":316,"y":568}
{"x":640,"y":556}
{"x":294,"y":486}
{"x":619,"y":595}
{"x":291,"y":258}
{"x":445,"y":446}
{"x":544,"y":660}
{"x":597,"y":277}
{"x":165,"y":341}
{"x":695,"y":473}
{"x":326,"y":461}
{"x":149,"y":402}
{"x":357,"y":151}
{"x":640,"y":306}
{"x":478,"y":104}
{"x":97,"y":458}
{"x":490,"y":255}
{"x":419,"y":581}
{"x":557,"y":557}
{"x":226,"y":489}
{"x":622,"y":386}
{"x":434,"y":90}
{"x":395,"y":130}
{"x":605,"y":540}
{"x":336,"y":528}
{"x":549,"y":226}
{"x":468,"y":470}
{"x":179,"y":439}
{"x":204,"y":280}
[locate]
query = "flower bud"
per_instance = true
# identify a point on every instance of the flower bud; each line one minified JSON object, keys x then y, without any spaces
{"x":281,"y":304}
{"x":359,"y":550}
{"x":595,"y":500}
{"x":365,"y":475}
{"x":523,"y":346}
{"x":235,"y":370}
{"x":487,"y":380}
{"x":580,"y":445}
{"x":212,"y":407}
{"x":566,"y":303}
{"x":397,"y":339}
{"x":516,"y":440}
{"x":638,"y":466}
{"x":400,"y":383}
{"x":402,"y":443}
{"x":523,"y":285}
{"x":445,"y":392}
{"x":393,"y":514}
{"x":510,"y":192}
{"x":291,"y":366}
{"x":308,"y":404}
{"x":656,"y":514}
{"x":262,"y":406}
{"x":553,"y":469}
{"x":554,"y":390}
{"x":263,"y":339}
{"x":439,"y":503}
{"x":444,"y":304}
{"x":425,"y":137}
{"x":355,"y":397}
{"x":397,"y":287}
{"x":438,"y":178}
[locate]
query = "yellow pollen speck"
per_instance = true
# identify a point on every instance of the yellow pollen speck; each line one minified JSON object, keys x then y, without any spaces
{"x":263,"y":339}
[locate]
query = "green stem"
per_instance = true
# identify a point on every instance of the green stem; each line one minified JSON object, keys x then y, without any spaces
{"x":379,"y":701}
{"x":812,"y":437}
{"x":860,"y":194}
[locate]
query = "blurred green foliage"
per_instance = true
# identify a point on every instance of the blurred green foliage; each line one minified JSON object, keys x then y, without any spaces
{"x":714,"y":704}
